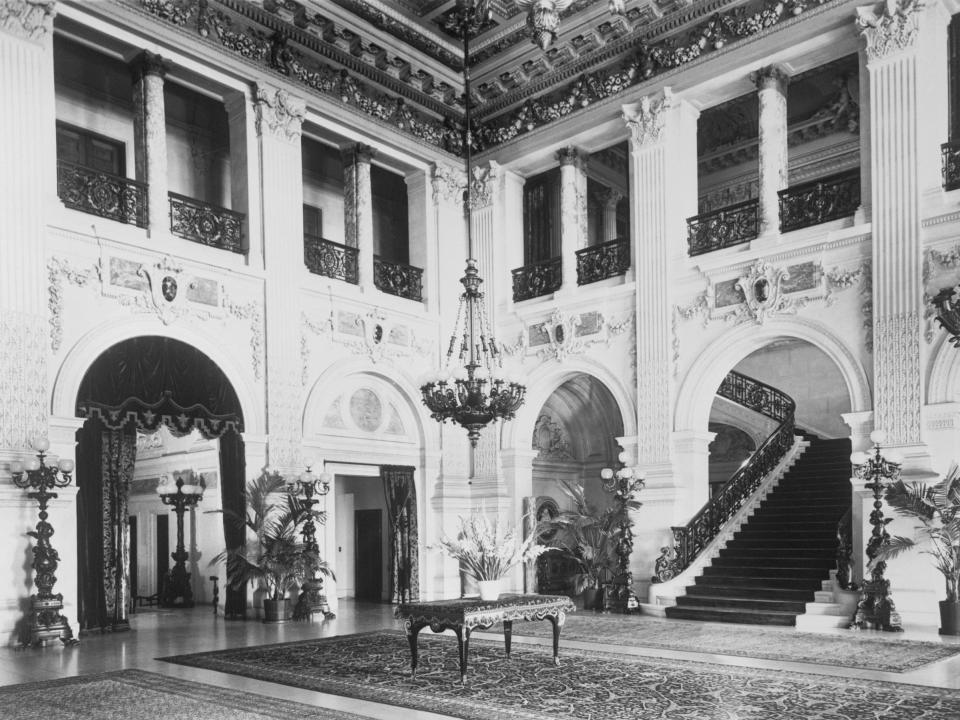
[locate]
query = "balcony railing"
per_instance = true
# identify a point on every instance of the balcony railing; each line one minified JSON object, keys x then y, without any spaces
{"x":729,"y":226}
{"x":951,"y":165}
{"x":206,"y":223}
{"x":398,"y":279}
{"x":537,"y":279}
{"x":330,"y":259}
{"x":603,"y":261}
{"x":819,"y":201}
{"x":99,"y":193}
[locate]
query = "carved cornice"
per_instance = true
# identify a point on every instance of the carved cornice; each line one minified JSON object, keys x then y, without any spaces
{"x":31,"y":19}
{"x":279,"y":113}
{"x":889,"y":27}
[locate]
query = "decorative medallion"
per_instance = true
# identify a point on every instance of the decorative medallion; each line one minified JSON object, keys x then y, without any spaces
{"x":763,"y":294}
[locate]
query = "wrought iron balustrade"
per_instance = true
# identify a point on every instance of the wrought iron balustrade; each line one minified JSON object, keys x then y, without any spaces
{"x":950,"y":152}
{"x":537,"y":279}
{"x":330,"y":259}
{"x":729,"y":226}
{"x":100,"y":193}
{"x":603,"y":261}
{"x":206,"y":223}
{"x":398,"y":279}
{"x":819,"y":201}
{"x":692,"y":538}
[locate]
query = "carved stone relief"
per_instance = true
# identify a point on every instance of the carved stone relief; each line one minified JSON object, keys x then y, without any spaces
{"x":550,"y":438}
{"x":448,"y":184}
{"x":647,"y":117}
{"x":279,"y":113}
{"x":561,"y":335}
{"x":889,"y":26}
{"x":31,"y":19}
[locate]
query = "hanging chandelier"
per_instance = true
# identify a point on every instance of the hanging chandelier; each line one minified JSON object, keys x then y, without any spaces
{"x":543,"y":17}
{"x":471,"y":388}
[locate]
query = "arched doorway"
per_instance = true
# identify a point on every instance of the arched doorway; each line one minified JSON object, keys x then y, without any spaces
{"x":574,"y":437}
{"x":140,"y":385}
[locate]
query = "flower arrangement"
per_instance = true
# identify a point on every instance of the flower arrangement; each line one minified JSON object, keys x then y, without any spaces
{"x":486,"y":549}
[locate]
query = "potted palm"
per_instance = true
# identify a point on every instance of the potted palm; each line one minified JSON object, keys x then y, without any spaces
{"x":487,"y":550}
{"x":273,"y":556}
{"x":589,"y":536}
{"x":937,"y":507}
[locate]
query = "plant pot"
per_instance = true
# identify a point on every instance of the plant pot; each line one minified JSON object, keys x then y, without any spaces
{"x":276,"y":611}
{"x":489,"y":589}
{"x":949,"y":617}
{"x":589,"y":596}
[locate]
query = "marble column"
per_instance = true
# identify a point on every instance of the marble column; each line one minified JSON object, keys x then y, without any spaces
{"x":861,"y":499}
{"x":279,"y":117}
{"x":895,"y":74}
{"x":573,"y":211}
{"x":358,"y":208}
{"x":774,"y":165}
{"x":150,"y":137}
{"x":611,"y":198}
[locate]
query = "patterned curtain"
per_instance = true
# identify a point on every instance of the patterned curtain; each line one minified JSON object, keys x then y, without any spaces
{"x":401,"y":497}
{"x":117,"y":457}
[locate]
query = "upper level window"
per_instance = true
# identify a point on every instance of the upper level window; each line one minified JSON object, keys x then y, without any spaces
{"x":541,"y":217}
{"x":91,"y":150}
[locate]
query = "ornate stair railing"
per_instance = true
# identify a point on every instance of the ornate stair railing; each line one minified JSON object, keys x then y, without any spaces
{"x":692,"y":538}
{"x":819,"y":201}
{"x":537,"y":279}
{"x":603,"y":261}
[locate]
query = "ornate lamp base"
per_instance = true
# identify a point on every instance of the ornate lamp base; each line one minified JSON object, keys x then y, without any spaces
{"x":312,"y":600}
{"x":46,"y":622}
{"x":177,"y":592}
{"x":876,"y":610}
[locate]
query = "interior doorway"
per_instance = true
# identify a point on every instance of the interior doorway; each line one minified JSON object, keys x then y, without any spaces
{"x":368,"y":563}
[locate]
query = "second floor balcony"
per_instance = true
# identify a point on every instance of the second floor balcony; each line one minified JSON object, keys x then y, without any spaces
{"x":603,"y":261}
{"x":950,"y":158}
{"x":537,"y":279}
{"x":101,"y":193}
{"x":398,"y":279}
{"x":819,"y":201}
{"x":330,"y":259}
{"x":729,"y":226}
{"x":206,"y":223}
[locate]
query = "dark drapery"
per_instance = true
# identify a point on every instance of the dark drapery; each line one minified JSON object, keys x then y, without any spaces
{"x":233,"y":469}
{"x":401,"y":497}
{"x":141,"y":384}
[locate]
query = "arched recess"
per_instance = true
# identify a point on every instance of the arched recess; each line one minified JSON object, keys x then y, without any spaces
{"x":699,"y":386}
{"x":943,"y":384}
{"x":547,"y":379}
{"x":139,"y":385}
{"x":365,"y":421}
{"x":91,"y":345}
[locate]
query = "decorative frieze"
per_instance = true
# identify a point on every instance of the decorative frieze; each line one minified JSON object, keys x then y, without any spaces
{"x":889,"y":26}
{"x":23,"y":379}
{"x":566,"y":334}
{"x":279,"y":113}
{"x":31,"y":19}
{"x":897,"y":377}
{"x":59,"y":270}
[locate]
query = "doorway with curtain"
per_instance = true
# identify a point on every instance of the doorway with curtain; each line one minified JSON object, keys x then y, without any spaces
{"x":141,"y":385}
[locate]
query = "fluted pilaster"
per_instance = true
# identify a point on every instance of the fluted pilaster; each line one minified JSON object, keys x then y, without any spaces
{"x":663,"y":175}
{"x":358,"y":208}
{"x":278,"y":118}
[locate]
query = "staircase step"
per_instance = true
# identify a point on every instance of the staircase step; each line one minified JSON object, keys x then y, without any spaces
{"x":768,"y":562}
{"x":787,"y":543}
{"x":732,"y":616}
{"x":718,"y":590}
{"x":741,"y":603}
{"x":815,"y":574}
{"x":736,"y":548}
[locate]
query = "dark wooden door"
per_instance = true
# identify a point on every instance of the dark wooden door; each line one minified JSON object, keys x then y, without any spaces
{"x":163,"y":549}
{"x":369,"y":557}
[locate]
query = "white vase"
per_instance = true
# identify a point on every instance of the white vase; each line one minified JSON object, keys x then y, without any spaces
{"x":489,"y":589}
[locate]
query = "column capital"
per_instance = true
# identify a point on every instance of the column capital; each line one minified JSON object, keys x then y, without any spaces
{"x":571,"y":155}
{"x":610,"y":197}
{"x":646,"y":118}
{"x":483,"y":185}
{"x":148,"y":63}
{"x":771,"y":77}
{"x":355,"y":153}
{"x":278,"y":112}
{"x":889,"y":27}
{"x":448,"y":184}
{"x":31,"y":19}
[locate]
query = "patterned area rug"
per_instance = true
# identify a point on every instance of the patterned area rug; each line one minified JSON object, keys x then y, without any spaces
{"x":852,"y":651}
{"x":588,"y":685}
{"x":135,"y":693}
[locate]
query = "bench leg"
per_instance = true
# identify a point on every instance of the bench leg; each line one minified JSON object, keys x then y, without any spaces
{"x":507,"y":635}
{"x":554,"y":620}
{"x":413,"y":630}
{"x":463,"y":648}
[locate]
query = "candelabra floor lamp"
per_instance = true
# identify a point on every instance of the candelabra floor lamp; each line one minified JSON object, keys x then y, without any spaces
{"x":623,"y":484}
{"x":307,"y":491}
{"x":45,"y":619}
{"x":177,"y":591}
{"x":875,"y":608}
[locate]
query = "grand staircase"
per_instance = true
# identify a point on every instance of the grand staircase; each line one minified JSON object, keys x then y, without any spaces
{"x":782,"y":553}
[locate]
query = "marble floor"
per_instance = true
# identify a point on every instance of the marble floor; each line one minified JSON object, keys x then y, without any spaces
{"x":158,"y":633}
